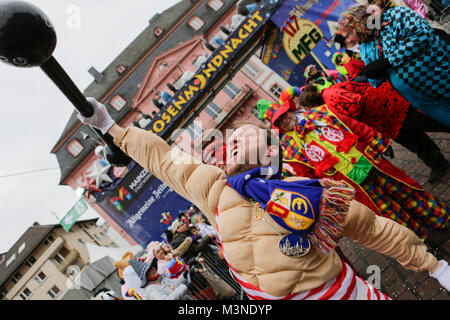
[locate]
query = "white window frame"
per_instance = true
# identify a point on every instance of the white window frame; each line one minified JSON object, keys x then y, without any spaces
{"x":38,"y":279}
{"x":28,"y":263}
{"x":47,"y":241}
{"x":16,"y":278}
{"x":75,"y":147}
{"x":117,"y":102}
{"x":196,"y":23}
{"x":213,"y":110}
{"x":199,"y":61}
{"x":216,"y":5}
{"x":59,"y":255}
{"x":11,"y":259}
{"x":276,"y":90}
{"x":194,"y":130}
{"x":51,"y":292}
{"x":252,"y":69}
{"x":23,"y":295}
{"x":230,"y":90}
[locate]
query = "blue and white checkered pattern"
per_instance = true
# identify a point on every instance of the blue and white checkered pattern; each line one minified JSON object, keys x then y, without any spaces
{"x":421,"y":59}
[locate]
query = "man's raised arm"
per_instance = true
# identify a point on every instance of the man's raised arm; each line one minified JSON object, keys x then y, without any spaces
{"x":193,"y":181}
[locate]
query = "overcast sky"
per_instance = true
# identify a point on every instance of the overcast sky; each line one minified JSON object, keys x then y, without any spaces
{"x":33,"y":112}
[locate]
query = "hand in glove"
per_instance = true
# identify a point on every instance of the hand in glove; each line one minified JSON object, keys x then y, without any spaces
{"x":376,"y":69}
{"x":100,"y":119}
{"x":442,"y":275}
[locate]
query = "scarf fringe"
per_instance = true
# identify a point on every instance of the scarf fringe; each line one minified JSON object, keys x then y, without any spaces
{"x":335,"y":204}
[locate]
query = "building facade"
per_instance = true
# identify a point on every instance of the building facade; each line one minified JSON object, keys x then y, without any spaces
{"x":41,"y":264}
{"x":137,"y":85}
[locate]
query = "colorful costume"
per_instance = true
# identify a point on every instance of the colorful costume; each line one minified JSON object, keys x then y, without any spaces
{"x":386,"y":111}
{"x":339,"y":67}
{"x":350,"y":68}
{"x":324,"y":145}
{"x":320,"y":79}
{"x":418,"y":59}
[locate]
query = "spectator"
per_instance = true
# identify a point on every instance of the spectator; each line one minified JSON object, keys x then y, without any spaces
{"x":183,"y":243}
{"x":406,"y":50}
{"x":205,"y":228}
{"x":154,"y":285}
{"x":162,"y":252}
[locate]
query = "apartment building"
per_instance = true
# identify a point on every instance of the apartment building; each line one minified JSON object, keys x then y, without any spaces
{"x":44,"y":260}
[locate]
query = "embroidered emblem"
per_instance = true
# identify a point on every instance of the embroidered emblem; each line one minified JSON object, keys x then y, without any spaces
{"x":295,"y":209}
{"x":333,"y":134}
{"x":314,"y":152}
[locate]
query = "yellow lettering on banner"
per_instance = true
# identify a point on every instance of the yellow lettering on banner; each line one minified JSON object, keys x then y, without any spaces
{"x":235,"y":42}
{"x":251,"y":24}
{"x":209,"y":70}
{"x":300,"y":37}
{"x":181,"y":100}
{"x":172,"y":111}
{"x":166,"y":117}
{"x":242,"y":34}
{"x":202,"y":80}
{"x":217,"y":60}
{"x":228,"y":50}
{"x":158,"y":126}
{"x":257,"y":16}
{"x":190,"y":93}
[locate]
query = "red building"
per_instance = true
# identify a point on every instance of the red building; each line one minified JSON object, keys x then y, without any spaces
{"x":148,"y":73}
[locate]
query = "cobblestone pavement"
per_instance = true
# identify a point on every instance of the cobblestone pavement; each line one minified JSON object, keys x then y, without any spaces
{"x":398,"y":283}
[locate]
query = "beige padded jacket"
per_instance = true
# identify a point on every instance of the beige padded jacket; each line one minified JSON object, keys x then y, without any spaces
{"x":251,"y":246}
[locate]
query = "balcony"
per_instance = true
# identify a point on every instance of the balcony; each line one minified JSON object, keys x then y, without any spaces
{"x":68,"y":260}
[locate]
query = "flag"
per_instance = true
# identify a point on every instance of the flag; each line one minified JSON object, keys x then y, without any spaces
{"x":72,"y":216}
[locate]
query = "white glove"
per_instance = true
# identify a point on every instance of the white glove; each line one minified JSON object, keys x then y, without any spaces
{"x":100,"y":119}
{"x":442,"y":275}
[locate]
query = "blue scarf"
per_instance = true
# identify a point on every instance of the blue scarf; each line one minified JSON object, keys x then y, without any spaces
{"x":312,"y":208}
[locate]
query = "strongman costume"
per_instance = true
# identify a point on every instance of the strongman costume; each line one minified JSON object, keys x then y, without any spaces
{"x":251,"y":246}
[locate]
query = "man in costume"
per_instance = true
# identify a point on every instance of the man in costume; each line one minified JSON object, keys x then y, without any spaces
{"x":385,"y":110}
{"x":254,"y":221}
{"x":318,"y":143}
{"x":405,"y":50}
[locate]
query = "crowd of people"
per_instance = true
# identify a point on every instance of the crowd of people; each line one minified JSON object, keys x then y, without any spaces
{"x":175,"y":269}
{"x":325,"y":175}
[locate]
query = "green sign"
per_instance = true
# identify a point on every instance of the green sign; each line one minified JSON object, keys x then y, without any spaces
{"x":72,"y":216}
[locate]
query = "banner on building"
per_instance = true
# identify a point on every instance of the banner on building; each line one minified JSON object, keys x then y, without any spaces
{"x":142,"y":205}
{"x":304,"y":31}
{"x":74,"y":214}
{"x":218,"y":63}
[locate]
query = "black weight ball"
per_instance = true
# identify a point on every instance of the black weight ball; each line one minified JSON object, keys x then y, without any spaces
{"x":27,"y":37}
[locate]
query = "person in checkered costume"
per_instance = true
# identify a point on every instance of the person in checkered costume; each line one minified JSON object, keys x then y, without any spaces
{"x":405,"y":50}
